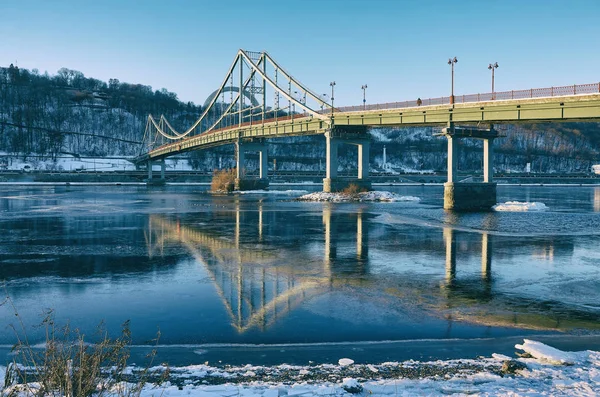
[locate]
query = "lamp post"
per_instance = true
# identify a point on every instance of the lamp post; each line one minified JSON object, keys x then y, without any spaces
{"x":492,"y":67}
{"x":364,"y":88}
{"x":451,"y":62}
{"x":332,"y":84}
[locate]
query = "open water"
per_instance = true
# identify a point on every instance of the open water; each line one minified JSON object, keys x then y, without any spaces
{"x":264,"y":279}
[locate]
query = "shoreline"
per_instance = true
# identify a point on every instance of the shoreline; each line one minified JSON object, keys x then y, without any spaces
{"x":540,"y":369}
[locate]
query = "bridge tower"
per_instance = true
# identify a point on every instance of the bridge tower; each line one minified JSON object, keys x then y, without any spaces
{"x":257,"y":100}
{"x":469,"y":196}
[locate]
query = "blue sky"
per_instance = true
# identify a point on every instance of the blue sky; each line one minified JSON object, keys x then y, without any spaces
{"x":399,"y":48}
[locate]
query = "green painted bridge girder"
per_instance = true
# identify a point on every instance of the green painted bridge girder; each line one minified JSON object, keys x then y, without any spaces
{"x":568,"y":108}
{"x":551,"y":109}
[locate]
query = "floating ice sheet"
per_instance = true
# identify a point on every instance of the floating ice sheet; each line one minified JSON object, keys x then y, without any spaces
{"x":517,"y":206}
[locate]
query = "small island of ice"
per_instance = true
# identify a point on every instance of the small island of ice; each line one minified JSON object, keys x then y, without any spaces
{"x":363,"y":196}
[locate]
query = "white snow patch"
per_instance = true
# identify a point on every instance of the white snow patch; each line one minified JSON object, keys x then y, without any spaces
{"x":350,"y":383}
{"x":345,"y":361}
{"x":364,"y":196}
{"x":517,"y":206}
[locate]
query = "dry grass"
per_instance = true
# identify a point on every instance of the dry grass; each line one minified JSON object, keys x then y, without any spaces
{"x":353,"y":189}
{"x":72,"y":366}
{"x":223,"y":180}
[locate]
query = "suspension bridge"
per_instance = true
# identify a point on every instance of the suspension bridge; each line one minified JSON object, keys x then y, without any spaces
{"x":258,"y":100}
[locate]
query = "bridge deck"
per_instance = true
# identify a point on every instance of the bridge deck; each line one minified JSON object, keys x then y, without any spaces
{"x":584,"y":107}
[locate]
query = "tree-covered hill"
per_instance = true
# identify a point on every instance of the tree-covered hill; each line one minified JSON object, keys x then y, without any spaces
{"x":71,"y":113}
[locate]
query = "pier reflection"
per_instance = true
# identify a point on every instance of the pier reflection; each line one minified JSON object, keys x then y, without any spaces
{"x":479,"y":289}
{"x":337,"y":226}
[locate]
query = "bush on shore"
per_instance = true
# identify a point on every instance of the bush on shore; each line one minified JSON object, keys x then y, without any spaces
{"x":223,"y":180}
{"x":353,"y":189}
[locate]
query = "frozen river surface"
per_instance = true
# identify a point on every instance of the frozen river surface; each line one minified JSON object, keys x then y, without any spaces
{"x":263,"y":279}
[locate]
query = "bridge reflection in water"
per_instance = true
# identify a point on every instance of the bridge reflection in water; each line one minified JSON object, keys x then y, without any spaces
{"x":254,"y":292}
{"x":261,"y":282}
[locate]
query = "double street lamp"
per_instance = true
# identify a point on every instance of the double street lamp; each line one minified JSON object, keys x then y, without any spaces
{"x":451,"y":62}
{"x":364,"y":88}
{"x":492,"y":67}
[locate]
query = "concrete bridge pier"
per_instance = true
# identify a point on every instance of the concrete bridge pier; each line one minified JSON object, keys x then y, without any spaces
{"x":155,"y":182}
{"x":351,"y":136}
{"x":469,"y":196}
{"x":242,"y":182}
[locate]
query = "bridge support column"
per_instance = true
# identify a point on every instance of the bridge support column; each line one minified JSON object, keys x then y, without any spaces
{"x":463,"y":196}
{"x":351,"y":136}
{"x":156,"y":182}
{"x":242,"y":181}
{"x":363,"y":160}
{"x":263,"y":163}
{"x":332,"y":157}
{"x":488,"y":160}
{"x":452,"y":158}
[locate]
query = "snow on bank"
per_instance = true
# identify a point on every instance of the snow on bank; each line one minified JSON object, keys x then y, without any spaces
{"x":365,"y":196}
{"x":539,"y":374}
{"x":281,"y":192}
{"x":517,"y":206}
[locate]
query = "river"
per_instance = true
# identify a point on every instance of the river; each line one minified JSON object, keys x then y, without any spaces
{"x":265,"y":279}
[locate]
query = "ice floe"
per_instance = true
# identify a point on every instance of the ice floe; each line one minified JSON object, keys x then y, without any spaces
{"x":549,"y":354}
{"x":517,"y":206}
{"x":345,"y":361}
{"x":364,"y":196}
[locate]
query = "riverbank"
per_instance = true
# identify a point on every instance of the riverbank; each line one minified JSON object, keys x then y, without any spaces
{"x":538,"y":369}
